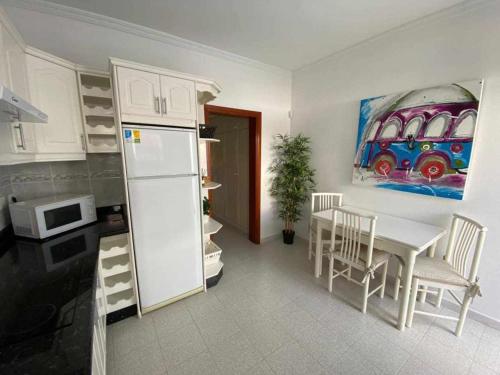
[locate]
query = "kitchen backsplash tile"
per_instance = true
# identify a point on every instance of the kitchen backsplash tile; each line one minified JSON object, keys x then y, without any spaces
{"x":100,"y":174}
{"x":72,"y":187}
{"x":69,"y":170}
{"x":5,"y":190}
{"x":4,"y":176}
{"x":108,"y":191}
{"x":32,"y":190}
{"x":32,"y":172}
{"x":105,"y":165}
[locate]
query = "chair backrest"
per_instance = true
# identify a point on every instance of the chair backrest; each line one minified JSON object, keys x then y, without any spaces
{"x":350,"y":228}
{"x":465,"y":235}
{"x":325,"y":201}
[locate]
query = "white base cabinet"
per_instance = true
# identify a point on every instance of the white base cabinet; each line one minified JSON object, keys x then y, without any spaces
{"x":99,"y":330}
{"x":116,"y":270}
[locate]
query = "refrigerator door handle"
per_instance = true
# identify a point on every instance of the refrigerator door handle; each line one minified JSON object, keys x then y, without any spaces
{"x":163,"y":176}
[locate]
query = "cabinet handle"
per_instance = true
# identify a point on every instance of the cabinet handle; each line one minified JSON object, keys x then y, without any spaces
{"x":157,"y":104}
{"x":164,"y":105}
{"x":83,"y":141}
{"x":21,"y":135}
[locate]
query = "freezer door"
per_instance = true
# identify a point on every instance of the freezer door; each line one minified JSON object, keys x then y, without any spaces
{"x":166,"y":227}
{"x":151,"y":151}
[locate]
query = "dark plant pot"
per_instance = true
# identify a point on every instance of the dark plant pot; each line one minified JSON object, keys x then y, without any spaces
{"x":288,"y":236}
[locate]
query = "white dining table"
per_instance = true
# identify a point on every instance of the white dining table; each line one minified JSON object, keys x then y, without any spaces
{"x":399,"y":236}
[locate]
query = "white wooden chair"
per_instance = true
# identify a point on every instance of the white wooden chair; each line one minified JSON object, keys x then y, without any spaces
{"x":321,"y":202}
{"x":350,"y":250}
{"x":452,"y":272}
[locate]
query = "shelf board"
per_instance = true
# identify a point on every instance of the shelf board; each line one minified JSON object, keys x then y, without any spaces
{"x":119,"y":286}
{"x":213,"y":269}
{"x":120,"y":300}
{"x":97,"y":117}
{"x":97,"y":97}
{"x":113,"y":252}
{"x":101,"y":134}
{"x":211,"y":247}
{"x":212,"y":226}
{"x":115,"y":270}
{"x":209,"y":140}
{"x":211,"y":185}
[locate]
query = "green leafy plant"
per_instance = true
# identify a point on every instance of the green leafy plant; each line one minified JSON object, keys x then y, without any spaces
{"x":206,"y":206}
{"x":293,"y":177}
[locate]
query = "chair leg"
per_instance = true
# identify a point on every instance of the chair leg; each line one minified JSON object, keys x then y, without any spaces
{"x":330,"y":274}
{"x":384,"y":277}
{"x":397,"y":283}
{"x":463,"y":315}
{"x":439,"y":298}
{"x":366,"y":288}
{"x":413,"y":301}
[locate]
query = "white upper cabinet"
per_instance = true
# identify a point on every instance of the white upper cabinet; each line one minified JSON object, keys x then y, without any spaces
{"x":4,"y":76}
{"x":178,"y":98}
{"x":54,"y":90}
{"x":151,"y":95}
{"x":139,"y":94}
{"x":15,"y":66}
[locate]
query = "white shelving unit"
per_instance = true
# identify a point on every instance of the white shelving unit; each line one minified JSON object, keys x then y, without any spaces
{"x":209,"y":140}
{"x":210,"y":185}
{"x":211,"y":227}
{"x":212,"y":252}
{"x":115,"y":269}
{"x":98,"y":112}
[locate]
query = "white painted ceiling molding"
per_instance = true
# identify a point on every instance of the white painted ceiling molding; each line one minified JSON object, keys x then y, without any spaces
{"x":131,"y":28}
{"x":167,"y":38}
{"x":456,"y":10}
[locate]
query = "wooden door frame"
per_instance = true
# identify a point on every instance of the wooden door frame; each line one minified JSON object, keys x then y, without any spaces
{"x":255,"y":141}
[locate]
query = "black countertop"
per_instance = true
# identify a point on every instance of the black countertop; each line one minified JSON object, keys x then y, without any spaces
{"x":47,"y":297}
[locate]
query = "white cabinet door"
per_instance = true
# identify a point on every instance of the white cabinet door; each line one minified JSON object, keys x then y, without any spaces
{"x":54,"y":90}
{"x":178,"y":98}
{"x":13,"y":68}
{"x":15,"y":65}
{"x":23,"y":138}
{"x":4,"y":75}
{"x":139,"y":94}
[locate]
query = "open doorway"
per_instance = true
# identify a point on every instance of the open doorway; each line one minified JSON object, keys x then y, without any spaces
{"x":235,"y":162}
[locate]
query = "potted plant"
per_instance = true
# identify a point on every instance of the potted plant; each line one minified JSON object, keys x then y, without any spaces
{"x":206,"y":209}
{"x":292,"y":181}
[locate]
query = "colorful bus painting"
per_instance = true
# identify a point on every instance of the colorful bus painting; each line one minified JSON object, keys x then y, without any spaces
{"x":418,"y":138}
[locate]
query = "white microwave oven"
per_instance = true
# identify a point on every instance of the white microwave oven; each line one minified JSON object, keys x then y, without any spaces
{"x":45,"y":217}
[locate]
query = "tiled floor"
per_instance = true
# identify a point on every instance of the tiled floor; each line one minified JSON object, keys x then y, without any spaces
{"x":268,"y":315}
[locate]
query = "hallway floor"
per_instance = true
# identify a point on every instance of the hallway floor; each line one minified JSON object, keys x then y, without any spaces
{"x":269,"y":315}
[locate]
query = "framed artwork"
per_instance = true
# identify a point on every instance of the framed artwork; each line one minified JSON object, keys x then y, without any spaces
{"x":419,"y":141}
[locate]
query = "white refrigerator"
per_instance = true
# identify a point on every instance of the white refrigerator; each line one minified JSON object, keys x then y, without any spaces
{"x":164,"y":198}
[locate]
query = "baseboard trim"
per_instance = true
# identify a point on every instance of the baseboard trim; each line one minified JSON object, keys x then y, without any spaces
{"x":270,"y":238}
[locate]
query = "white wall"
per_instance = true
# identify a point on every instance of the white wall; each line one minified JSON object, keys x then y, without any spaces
{"x":247,"y":86}
{"x":449,"y":48}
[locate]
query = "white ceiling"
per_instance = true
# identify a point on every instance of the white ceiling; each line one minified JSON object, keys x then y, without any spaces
{"x":285,"y":33}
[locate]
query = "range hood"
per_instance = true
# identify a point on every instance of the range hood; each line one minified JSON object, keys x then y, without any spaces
{"x":15,"y":109}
